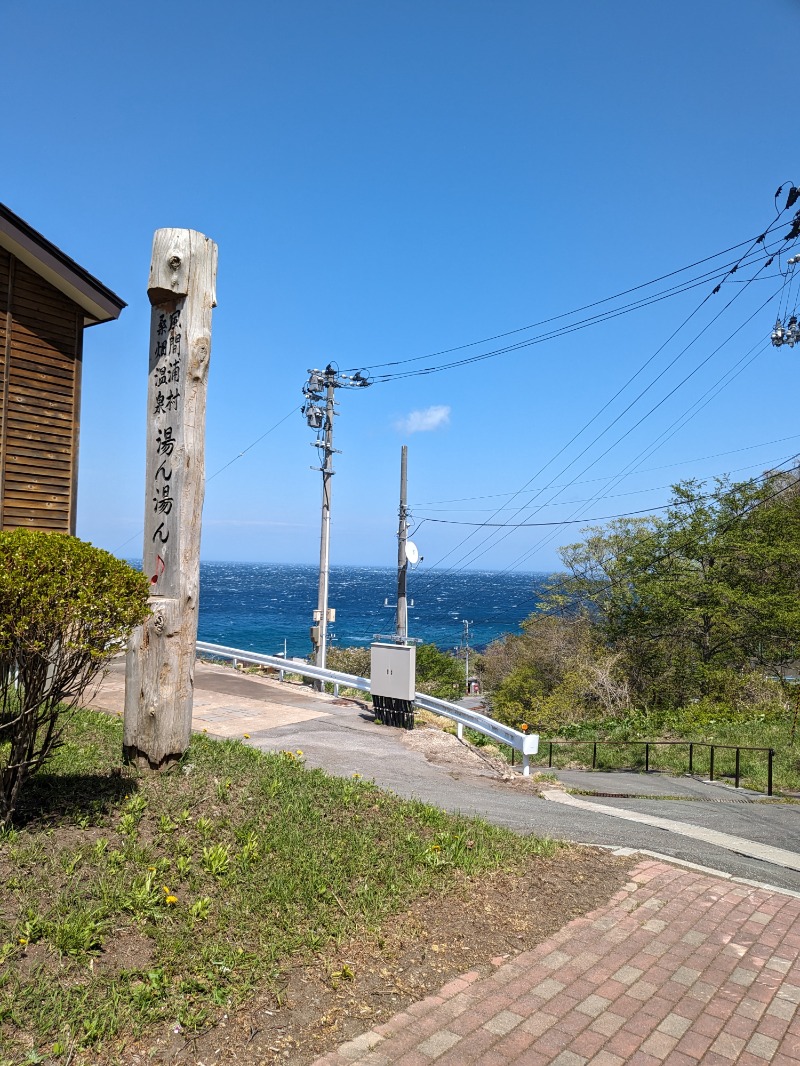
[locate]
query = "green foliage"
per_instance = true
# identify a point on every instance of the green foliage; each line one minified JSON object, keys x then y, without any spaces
{"x":349,"y":660}
{"x":286,"y":867}
{"x":697,"y":608}
{"x":439,"y":673}
{"x":63,"y":606}
{"x":710,"y":587}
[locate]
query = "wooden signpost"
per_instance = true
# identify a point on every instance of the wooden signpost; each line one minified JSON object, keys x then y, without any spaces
{"x":159,"y":676}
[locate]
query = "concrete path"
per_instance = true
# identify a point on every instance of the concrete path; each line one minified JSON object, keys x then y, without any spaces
{"x":678,"y":968}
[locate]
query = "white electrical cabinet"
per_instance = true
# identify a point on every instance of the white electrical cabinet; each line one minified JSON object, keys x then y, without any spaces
{"x":393,"y":671}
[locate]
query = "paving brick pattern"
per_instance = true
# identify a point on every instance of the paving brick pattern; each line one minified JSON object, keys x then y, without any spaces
{"x":678,"y":968}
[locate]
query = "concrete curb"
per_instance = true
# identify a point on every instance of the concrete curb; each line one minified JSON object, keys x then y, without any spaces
{"x":777,"y":856}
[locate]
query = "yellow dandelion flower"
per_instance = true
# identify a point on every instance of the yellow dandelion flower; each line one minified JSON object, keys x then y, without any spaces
{"x":23,"y":940}
{"x":299,"y":752}
{"x":171,"y":899}
{"x":166,"y":889}
{"x":205,"y":730}
{"x":246,"y":736}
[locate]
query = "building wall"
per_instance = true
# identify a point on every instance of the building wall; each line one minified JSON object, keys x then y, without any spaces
{"x":41,"y":334}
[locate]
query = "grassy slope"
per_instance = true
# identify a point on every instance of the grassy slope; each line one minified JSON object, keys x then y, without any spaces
{"x":135,"y":899}
{"x":762,"y":731}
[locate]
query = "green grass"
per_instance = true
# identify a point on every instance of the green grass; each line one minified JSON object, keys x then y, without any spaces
{"x":135,"y":899}
{"x":763,"y":731}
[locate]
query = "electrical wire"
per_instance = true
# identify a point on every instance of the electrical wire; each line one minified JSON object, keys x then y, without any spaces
{"x":464,"y":560}
{"x":605,"y":495}
{"x":630,"y":468}
{"x":720,"y":274}
{"x":726,"y":528}
{"x":578,"y":310}
{"x":258,"y":440}
{"x":602,"y":518}
{"x":610,"y":477}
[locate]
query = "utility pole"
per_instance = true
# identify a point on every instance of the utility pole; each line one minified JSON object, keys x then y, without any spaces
{"x":321,"y":617}
{"x":327,"y":381}
{"x":401,"y":626}
{"x":465,"y":642}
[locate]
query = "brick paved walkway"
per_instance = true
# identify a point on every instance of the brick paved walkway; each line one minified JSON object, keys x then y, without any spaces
{"x":678,"y":968}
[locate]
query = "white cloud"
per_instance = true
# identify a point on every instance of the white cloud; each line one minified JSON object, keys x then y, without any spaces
{"x":423,"y":421}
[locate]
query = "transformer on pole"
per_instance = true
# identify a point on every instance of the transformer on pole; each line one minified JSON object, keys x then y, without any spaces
{"x":322,"y":384}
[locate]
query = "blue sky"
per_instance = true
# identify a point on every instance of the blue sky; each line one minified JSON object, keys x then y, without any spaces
{"x":387,"y":180}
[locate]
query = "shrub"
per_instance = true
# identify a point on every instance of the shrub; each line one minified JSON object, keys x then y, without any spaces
{"x":63,"y":606}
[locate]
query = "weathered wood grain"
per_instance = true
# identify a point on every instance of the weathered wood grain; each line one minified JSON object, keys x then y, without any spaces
{"x":161,"y":653}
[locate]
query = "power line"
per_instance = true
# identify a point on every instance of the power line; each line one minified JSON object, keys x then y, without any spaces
{"x":650,"y":449}
{"x":599,"y":518}
{"x":258,"y":440}
{"x":605,"y":496}
{"x":469,"y":557}
{"x":125,"y":543}
{"x":610,"y":477}
{"x":585,"y":307}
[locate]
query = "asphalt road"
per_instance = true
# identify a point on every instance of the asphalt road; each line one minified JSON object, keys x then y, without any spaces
{"x":342,"y":739}
{"x":347,"y":741}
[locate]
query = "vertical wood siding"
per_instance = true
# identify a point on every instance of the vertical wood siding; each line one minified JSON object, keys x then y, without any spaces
{"x":38,"y":450}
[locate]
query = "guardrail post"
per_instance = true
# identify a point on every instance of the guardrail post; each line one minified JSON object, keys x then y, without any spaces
{"x":770,"y":757}
{"x":647,"y":758}
{"x":736,"y":772}
{"x":550,"y":756}
{"x":594,"y":755}
{"x":460,"y":730}
{"x":336,"y":688}
{"x":691,"y":758}
{"x":526,"y":765}
{"x":280,"y":675}
{"x":711,"y":764}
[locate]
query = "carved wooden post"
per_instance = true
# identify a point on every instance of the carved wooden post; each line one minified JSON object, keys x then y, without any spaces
{"x":159,"y":678}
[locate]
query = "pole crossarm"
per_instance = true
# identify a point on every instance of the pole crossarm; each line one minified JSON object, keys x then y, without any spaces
{"x":322,"y":384}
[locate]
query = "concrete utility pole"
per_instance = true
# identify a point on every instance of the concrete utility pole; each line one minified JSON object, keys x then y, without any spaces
{"x":327,"y":381}
{"x":465,"y":641}
{"x":321,"y":617}
{"x":401,"y":625}
{"x":159,"y":673}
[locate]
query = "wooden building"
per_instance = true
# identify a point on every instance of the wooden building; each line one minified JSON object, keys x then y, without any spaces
{"x":46,"y":302}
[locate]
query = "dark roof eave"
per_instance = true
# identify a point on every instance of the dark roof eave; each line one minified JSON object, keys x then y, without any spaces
{"x":98,"y":302}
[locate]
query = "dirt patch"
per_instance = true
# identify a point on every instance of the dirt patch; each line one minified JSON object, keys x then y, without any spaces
{"x":341,"y":994}
{"x":461,"y":759}
{"x":125,"y":951}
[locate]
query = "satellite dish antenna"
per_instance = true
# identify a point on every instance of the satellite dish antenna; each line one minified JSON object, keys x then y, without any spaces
{"x":412,"y":552}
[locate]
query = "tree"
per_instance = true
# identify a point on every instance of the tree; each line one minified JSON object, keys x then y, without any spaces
{"x":439,"y":673}
{"x":64,"y":605}
{"x":713,"y":585}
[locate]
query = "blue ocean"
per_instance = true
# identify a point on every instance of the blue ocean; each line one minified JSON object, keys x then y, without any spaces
{"x":258,"y":606}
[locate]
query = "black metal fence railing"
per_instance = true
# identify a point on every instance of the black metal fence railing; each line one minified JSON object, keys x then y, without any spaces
{"x":690,"y":744}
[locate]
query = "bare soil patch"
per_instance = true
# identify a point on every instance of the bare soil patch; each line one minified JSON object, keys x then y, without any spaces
{"x":336,"y":996}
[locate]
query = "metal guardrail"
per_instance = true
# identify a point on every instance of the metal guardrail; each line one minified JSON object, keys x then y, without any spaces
{"x":525,"y":743}
{"x":690,"y":744}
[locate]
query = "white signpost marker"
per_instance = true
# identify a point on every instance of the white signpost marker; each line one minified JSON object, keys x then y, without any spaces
{"x":159,"y":676}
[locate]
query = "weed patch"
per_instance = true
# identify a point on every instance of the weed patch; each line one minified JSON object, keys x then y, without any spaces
{"x":166,"y":899}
